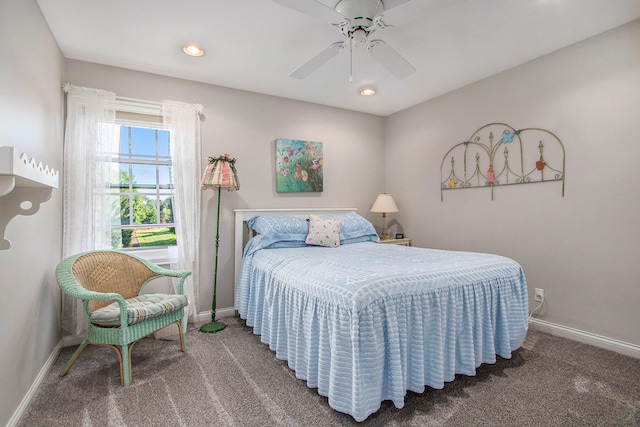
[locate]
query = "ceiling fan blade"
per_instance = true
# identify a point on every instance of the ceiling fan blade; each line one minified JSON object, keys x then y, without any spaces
{"x":314,"y":63}
{"x":313,"y":9}
{"x":390,"y":59}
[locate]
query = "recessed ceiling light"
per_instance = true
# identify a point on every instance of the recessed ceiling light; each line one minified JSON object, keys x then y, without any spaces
{"x":193,"y":50}
{"x":367,"y":91}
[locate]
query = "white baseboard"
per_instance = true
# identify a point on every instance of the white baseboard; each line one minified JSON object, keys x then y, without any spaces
{"x":205,"y":316}
{"x":69,"y":340}
{"x":15,"y":418}
{"x":621,"y":347}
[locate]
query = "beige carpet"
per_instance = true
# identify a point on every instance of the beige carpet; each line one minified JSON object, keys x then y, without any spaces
{"x":232,"y":379}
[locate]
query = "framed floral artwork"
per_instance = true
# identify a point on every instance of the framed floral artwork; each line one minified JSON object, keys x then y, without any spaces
{"x":299,"y":166}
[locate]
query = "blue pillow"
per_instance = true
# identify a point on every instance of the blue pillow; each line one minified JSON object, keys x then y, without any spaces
{"x":290,"y":229}
{"x":367,"y":238}
{"x":278,"y":225}
{"x":274,"y":241}
{"x":355,"y":228}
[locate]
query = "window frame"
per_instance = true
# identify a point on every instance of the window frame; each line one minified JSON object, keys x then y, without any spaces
{"x":143,"y":114}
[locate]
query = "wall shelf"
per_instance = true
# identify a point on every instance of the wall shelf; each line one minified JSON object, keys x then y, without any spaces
{"x":24,"y":185}
{"x":17,"y":170}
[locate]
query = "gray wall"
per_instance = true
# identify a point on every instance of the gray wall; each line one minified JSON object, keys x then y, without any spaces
{"x":31,"y":110}
{"x":244,"y":125}
{"x":582,"y":249}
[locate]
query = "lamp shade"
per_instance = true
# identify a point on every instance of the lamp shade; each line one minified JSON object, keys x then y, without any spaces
{"x":384,"y":204}
{"x":221,"y":173}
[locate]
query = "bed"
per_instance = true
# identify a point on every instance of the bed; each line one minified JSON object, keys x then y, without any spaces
{"x":365,"y":322}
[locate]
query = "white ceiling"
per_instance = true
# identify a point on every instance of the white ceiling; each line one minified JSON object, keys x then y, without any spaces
{"x":254,"y":44}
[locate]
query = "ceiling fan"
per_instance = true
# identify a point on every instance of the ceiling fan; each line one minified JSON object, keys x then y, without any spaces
{"x":356,"y":20}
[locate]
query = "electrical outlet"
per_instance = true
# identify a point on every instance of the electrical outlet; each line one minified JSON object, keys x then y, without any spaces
{"x":539,"y":294}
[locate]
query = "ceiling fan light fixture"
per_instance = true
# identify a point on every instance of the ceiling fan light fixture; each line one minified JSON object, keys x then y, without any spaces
{"x":368,"y":91}
{"x":193,"y":50}
{"x":359,"y":37}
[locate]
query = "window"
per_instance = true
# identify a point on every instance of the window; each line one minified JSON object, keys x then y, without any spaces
{"x":107,"y":181}
{"x":142,"y":191}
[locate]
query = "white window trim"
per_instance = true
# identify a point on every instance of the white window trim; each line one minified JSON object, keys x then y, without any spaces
{"x":157,"y":255}
{"x":139,"y":106}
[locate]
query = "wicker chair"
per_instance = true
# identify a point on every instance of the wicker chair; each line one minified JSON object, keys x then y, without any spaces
{"x":110,"y":283}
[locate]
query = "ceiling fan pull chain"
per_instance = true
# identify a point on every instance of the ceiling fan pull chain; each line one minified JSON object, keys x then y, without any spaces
{"x":350,"y":60}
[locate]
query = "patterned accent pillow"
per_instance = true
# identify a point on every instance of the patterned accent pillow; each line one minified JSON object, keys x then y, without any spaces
{"x":323,"y":232}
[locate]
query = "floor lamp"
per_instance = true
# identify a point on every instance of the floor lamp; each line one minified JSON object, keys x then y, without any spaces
{"x":219,"y":173}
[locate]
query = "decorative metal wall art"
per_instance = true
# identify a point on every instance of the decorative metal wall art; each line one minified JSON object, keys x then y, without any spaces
{"x":522,"y":156}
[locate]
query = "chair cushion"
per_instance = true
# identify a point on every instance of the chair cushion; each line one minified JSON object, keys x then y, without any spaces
{"x":140,"y":308}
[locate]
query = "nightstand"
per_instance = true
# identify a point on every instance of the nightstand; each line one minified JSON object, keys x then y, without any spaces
{"x":402,"y":242}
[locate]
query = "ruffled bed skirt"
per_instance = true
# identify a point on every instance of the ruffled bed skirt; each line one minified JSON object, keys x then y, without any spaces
{"x":359,"y":357}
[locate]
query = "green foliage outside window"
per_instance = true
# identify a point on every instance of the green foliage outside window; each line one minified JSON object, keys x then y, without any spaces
{"x":135,"y":204}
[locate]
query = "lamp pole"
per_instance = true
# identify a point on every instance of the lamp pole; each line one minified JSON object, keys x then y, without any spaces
{"x":215,"y":326}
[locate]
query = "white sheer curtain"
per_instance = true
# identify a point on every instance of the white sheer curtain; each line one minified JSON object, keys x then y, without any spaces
{"x":183,"y":122}
{"x":90,"y":136}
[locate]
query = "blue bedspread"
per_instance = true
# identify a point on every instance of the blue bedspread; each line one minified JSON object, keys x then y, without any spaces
{"x":366,"y":322}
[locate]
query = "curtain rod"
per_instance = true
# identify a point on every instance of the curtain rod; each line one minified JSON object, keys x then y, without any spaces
{"x":142,"y":106}
{"x":139,"y":106}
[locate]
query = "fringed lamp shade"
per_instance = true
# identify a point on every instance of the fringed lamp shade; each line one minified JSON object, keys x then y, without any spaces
{"x":219,"y":173}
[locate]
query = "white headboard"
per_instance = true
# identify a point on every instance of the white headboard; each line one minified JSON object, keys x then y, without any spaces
{"x":243,"y":215}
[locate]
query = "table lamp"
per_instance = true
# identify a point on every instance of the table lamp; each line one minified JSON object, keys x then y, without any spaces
{"x":384,"y":204}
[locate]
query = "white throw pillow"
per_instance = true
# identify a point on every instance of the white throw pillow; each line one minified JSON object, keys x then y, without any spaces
{"x":323,"y":232}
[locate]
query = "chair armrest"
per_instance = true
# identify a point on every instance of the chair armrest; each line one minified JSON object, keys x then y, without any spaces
{"x":181,"y":275}
{"x":159,"y":270}
{"x":171,"y":273}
